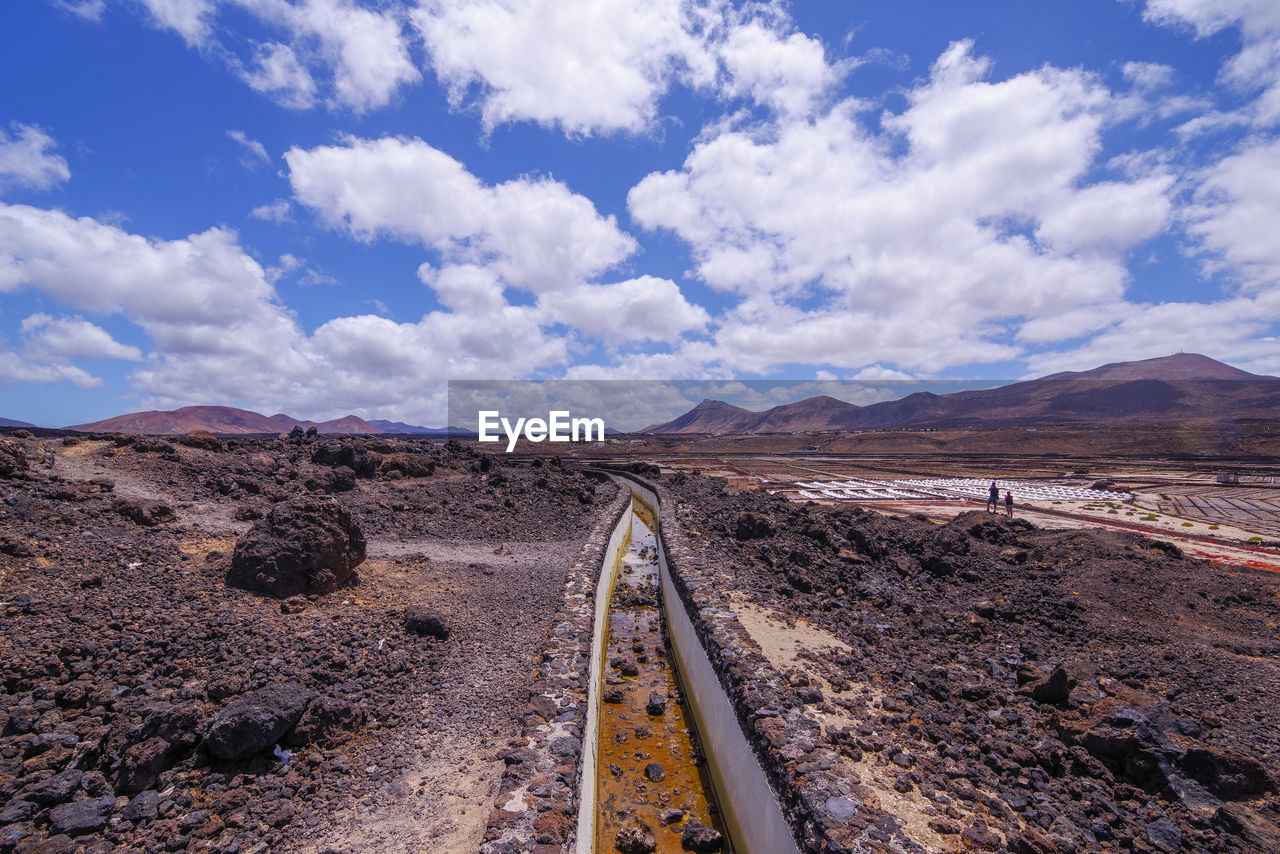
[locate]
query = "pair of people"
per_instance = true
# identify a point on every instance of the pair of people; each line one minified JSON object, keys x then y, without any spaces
{"x":993,"y":500}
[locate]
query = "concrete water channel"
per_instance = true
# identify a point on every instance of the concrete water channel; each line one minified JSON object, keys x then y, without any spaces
{"x":664,"y":756}
{"x":652,"y":784}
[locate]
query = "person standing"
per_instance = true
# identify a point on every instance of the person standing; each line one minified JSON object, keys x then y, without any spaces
{"x":993,"y":498}
{"x":1008,"y":504}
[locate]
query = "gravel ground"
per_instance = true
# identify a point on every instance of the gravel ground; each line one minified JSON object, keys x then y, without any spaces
{"x":1009,"y":688}
{"x":121,"y":641}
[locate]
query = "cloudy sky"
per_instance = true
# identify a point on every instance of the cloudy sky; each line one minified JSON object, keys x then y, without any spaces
{"x":332,"y":206}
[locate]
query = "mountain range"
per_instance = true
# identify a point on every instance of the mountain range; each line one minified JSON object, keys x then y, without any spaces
{"x":1182,"y":387}
{"x":228,"y":421}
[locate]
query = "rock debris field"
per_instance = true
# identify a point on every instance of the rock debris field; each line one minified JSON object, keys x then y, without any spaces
{"x":318,"y":644}
{"x":295,"y":644}
{"x":990,"y":686}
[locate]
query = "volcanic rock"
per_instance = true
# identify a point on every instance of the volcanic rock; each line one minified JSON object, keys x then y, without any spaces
{"x":699,"y":837}
{"x":1164,"y":834}
{"x":982,"y":837}
{"x":17,"y":811}
{"x":322,"y":481}
{"x":201,"y":439}
{"x":82,"y":816}
{"x":13,"y":459}
{"x":1053,"y":689}
{"x":327,"y":721}
{"x":256,"y":721}
{"x":422,"y":620}
{"x":143,"y":511}
{"x":141,"y":764}
{"x":752,"y":527}
{"x":637,"y":838}
{"x":344,"y":479}
{"x":57,"y":844}
{"x":144,"y":805}
{"x":309,"y":544}
{"x":152,"y":446}
{"x":175,"y":723}
{"x":1232,"y":776}
{"x":57,"y":788}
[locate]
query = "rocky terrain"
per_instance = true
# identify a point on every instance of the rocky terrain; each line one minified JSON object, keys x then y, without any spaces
{"x":294,"y":644}
{"x":1026,"y":690}
{"x":312,"y":643}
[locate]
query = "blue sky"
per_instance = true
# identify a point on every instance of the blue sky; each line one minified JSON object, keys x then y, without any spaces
{"x":325,"y":207}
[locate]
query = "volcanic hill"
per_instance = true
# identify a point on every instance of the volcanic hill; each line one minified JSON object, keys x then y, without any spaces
{"x":222,"y":420}
{"x":1181,"y":387}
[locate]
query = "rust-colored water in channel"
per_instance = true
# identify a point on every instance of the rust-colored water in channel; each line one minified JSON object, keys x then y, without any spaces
{"x":632,"y":737}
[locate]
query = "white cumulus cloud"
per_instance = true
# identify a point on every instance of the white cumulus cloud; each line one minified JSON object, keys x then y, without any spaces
{"x":587,"y":66}
{"x":71,"y":338}
{"x":535,"y":233}
{"x":16,"y":368}
{"x":932,"y":243}
{"x":787,"y":71}
{"x":361,"y":51}
{"x":1255,"y":69}
{"x":642,"y":309}
{"x":277,"y":211}
{"x":26,"y":159}
{"x":1235,"y":212}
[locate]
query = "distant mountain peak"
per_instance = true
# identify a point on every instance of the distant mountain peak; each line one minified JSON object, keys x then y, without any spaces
{"x":1178,"y":366}
{"x":222,"y":420}
{"x":1179,"y":386}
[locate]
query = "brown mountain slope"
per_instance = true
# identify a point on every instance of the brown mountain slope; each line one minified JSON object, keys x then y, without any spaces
{"x":1179,"y":366}
{"x":222,"y":420}
{"x":710,"y":416}
{"x":1185,"y":386}
{"x":815,"y":413}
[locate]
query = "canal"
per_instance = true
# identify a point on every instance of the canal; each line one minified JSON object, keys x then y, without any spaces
{"x":653,"y":792}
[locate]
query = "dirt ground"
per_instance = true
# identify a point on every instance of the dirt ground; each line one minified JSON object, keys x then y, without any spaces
{"x":1001,"y":686}
{"x":994,"y":685}
{"x":117,"y":622}
{"x":1226,"y":511}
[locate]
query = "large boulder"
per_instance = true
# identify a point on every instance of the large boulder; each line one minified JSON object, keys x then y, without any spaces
{"x":202,"y":439}
{"x":327,"y":721}
{"x":143,"y":511}
{"x":409,"y":465}
{"x":150,"y":445}
{"x":422,"y":620}
{"x":83,"y":816}
{"x":164,"y":732}
{"x":141,"y":765}
{"x":753,"y":527}
{"x":309,"y":544}
{"x":1230,"y":775}
{"x":256,"y":721}
{"x":13,"y":459}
